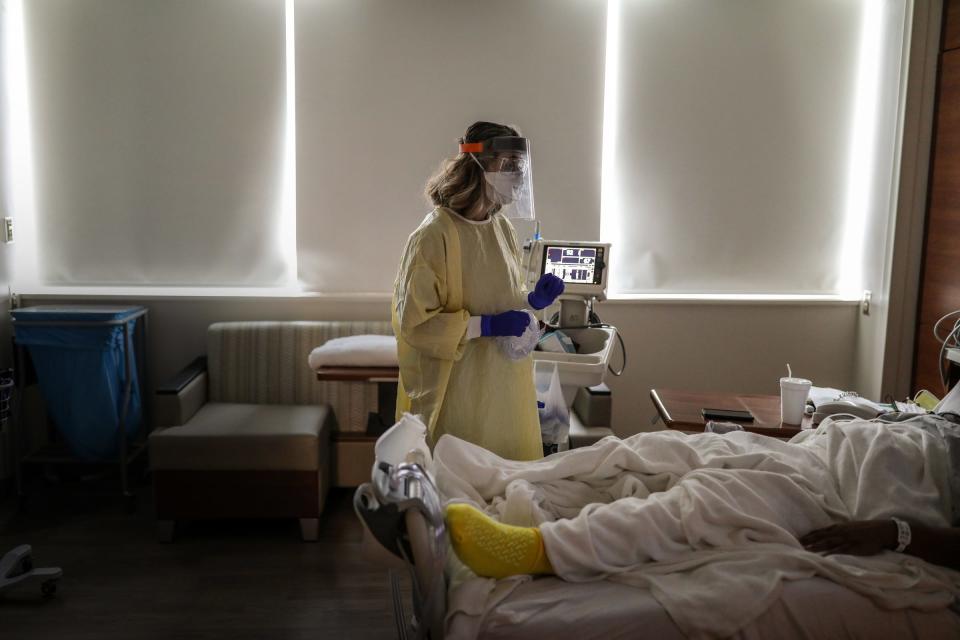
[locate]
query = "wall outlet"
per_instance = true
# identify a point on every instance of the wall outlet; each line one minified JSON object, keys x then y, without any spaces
{"x":865,"y":303}
{"x":8,"y":230}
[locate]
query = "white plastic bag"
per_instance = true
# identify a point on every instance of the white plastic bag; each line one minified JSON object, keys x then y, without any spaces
{"x":554,"y":414}
{"x":517,"y":348}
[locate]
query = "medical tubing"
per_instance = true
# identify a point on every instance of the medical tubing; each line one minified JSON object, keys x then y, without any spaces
{"x":623,"y":350}
{"x":936,"y":326}
{"x":952,"y":339}
{"x":526,"y":267}
{"x":882,"y":417}
{"x":846,"y":417}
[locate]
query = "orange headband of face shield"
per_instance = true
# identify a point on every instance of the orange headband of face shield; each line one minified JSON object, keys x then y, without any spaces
{"x":513,"y":144}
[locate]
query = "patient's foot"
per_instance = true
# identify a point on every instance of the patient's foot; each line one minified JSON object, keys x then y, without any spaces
{"x":492,"y":549}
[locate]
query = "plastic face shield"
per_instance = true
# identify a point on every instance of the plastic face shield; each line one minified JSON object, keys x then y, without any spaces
{"x":508,"y":171}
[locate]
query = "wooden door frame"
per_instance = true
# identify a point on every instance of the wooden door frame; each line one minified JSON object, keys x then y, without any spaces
{"x":905,"y":256}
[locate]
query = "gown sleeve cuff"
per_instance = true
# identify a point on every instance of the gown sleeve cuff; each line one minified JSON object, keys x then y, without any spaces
{"x":473,"y":327}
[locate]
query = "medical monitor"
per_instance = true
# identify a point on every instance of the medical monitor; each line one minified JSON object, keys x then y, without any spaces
{"x":581,"y":265}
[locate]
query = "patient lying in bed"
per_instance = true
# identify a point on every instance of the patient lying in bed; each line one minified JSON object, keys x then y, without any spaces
{"x":712,"y":524}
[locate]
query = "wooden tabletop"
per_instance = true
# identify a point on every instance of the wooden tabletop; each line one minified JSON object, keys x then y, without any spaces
{"x":359,"y":374}
{"x":681,"y":410}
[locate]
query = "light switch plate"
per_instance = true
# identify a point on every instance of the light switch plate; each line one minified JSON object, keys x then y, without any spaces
{"x":8,"y":230}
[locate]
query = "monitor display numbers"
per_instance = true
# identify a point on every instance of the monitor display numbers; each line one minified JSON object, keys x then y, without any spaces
{"x":574,"y":265}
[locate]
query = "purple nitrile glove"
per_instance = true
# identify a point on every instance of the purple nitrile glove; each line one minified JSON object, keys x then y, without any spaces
{"x":508,"y":323}
{"x":548,"y":288}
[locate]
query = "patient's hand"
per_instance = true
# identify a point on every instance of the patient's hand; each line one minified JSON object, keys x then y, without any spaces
{"x":864,"y":538}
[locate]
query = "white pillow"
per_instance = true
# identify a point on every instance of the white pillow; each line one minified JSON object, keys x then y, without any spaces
{"x":356,"y":351}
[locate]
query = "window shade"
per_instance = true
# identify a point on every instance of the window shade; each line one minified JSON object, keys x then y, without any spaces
{"x":384,"y":89}
{"x":5,"y":153}
{"x":730,"y":162}
{"x":158,"y":131}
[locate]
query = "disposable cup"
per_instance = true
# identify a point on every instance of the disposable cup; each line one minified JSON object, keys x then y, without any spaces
{"x":793,"y":399}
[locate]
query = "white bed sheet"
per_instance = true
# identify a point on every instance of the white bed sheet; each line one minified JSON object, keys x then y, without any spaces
{"x":807,"y":609}
{"x":741,"y":584}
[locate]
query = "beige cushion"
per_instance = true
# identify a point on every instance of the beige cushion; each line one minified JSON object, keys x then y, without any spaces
{"x":266,"y":363}
{"x":244,"y":437}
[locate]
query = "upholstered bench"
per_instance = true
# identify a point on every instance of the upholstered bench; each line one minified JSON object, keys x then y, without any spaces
{"x":231,"y":459}
{"x":246,"y":432}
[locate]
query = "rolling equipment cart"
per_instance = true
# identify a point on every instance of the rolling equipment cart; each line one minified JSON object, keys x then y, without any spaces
{"x":89,"y":362}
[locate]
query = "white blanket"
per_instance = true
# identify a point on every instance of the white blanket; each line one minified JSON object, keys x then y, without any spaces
{"x":709,"y":523}
{"x":356,"y":351}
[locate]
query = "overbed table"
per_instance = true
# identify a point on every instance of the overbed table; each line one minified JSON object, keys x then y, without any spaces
{"x":681,"y":410}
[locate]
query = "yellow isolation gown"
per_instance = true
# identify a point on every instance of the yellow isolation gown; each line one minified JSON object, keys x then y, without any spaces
{"x":453,"y":268}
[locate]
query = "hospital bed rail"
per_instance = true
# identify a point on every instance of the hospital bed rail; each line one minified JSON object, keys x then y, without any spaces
{"x":401,"y":508}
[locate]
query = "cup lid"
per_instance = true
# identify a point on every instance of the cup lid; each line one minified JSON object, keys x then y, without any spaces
{"x":800,"y":382}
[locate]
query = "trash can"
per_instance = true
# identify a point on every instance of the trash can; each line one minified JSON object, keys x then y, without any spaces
{"x":86,"y":366}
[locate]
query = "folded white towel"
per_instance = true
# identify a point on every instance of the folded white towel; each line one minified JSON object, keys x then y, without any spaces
{"x":356,"y":351}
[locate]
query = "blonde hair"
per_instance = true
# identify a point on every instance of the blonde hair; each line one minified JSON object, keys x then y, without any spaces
{"x":459,"y":183}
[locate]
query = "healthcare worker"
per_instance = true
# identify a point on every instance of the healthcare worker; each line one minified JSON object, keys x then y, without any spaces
{"x":460,"y":286}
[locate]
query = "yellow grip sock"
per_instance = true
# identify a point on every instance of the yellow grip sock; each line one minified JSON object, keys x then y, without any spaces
{"x":492,"y":549}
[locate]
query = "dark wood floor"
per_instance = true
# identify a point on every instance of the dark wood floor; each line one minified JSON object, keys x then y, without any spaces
{"x":226,"y":579}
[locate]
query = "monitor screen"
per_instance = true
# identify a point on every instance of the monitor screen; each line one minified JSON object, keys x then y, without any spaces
{"x":573,"y":264}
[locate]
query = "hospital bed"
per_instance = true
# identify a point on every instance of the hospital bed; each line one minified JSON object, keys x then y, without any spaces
{"x":402,"y":510}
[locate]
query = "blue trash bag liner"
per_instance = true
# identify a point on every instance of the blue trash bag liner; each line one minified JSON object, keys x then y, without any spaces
{"x":81,"y":375}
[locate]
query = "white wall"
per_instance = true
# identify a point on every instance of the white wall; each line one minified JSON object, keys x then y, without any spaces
{"x":732,"y":346}
{"x":5,"y":251}
{"x":6,"y":259}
